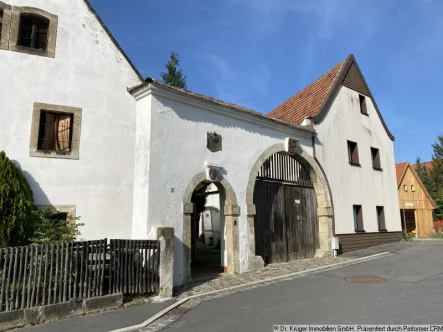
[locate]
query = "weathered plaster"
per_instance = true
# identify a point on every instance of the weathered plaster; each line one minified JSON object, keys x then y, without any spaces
{"x":76,"y":129}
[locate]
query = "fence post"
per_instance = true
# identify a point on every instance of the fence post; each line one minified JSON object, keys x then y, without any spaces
{"x":166,"y":269}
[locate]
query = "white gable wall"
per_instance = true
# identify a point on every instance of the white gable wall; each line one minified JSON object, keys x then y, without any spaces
{"x":351,"y":185}
{"x":178,"y":152}
{"x":89,"y":72}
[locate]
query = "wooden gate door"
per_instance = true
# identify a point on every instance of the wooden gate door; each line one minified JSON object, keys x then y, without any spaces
{"x":286,"y":223}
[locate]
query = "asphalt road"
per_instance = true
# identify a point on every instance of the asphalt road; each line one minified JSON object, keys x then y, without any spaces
{"x":411,"y":294}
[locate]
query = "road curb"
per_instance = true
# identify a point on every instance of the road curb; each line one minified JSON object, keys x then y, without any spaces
{"x":295,"y":274}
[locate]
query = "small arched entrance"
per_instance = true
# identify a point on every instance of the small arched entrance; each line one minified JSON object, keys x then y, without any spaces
{"x":301,"y":171}
{"x":198,"y":261}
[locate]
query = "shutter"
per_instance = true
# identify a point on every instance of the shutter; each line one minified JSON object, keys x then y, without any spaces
{"x":377,"y":159}
{"x":363,"y":109}
{"x":64,"y":133}
{"x":360,"y":219}
{"x":381,"y":218}
{"x":49,"y":137}
{"x":355,"y":153}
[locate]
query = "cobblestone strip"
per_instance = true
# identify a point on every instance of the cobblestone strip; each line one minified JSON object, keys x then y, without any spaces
{"x":196,"y":299}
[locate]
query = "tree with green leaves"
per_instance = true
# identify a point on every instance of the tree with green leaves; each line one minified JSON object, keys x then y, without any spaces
{"x":53,"y":227}
{"x":16,"y":205}
{"x":424,"y":175}
{"x":174,"y":75}
{"x":433,"y":178}
{"x":436,"y":175}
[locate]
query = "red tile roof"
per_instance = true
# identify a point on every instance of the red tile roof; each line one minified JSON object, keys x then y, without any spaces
{"x":306,"y":103}
{"x":399,"y":170}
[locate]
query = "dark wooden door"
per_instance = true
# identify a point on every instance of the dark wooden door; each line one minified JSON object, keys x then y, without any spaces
{"x":286,"y":223}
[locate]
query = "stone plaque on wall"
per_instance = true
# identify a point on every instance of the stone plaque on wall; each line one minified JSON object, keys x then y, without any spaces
{"x":213,"y":174}
{"x":213,"y":142}
{"x":291,"y":145}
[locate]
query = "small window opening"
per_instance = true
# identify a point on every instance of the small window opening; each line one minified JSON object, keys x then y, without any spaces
{"x":33,"y":32}
{"x":358,"y":218}
{"x":375,"y":158}
{"x":55,"y":132}
{"x":59,"y":217}
{"x":405,"y":187}
{"x":381,"y":218}
{"x":413,"y":188}
{"x":363,"y":109}
{"x":353,"y":153}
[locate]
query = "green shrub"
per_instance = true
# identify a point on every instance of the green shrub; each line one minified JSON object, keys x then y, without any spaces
{"x":51,"y":229}
{"x":16,"y":205}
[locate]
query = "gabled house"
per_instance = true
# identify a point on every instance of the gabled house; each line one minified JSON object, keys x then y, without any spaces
{"x":65,"y":114}
{"x":416,"y":205}
{"x":126,"y":154}
{"x":355,"y":149}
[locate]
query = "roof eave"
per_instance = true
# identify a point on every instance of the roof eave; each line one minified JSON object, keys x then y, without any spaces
{"x":152,"y":84}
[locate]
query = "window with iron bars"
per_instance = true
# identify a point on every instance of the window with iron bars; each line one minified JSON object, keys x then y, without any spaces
{"x":55,"y":132}
{"x":33,"y":32}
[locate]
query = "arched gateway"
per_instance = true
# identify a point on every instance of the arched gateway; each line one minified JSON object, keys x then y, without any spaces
{"x":289,"y":207}
{"x":230,"y":208}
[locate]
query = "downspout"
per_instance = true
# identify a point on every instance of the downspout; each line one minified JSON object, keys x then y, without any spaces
{"x":327,"y":182}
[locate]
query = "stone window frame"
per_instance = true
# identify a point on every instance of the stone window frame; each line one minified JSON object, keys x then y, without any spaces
{"x":14,"y":30}
{"x":71,"y":210}
{"x":35,"y":127}
{"x":4,"y":40}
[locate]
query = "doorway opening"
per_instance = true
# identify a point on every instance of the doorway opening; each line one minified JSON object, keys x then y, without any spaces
{"x":408,"y":221}
{"x":207,"y":232}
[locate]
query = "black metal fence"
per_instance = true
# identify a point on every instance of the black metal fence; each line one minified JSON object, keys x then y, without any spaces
{"x":53,"y":273}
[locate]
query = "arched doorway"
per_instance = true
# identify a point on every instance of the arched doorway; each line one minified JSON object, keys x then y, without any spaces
{"x":286,"y":223}
{"x":207,"y":232}
{"x":228,"y":212}
{"x":317,"y":184}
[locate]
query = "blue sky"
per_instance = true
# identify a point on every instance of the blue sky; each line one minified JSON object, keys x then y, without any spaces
{"x":258,"y":53}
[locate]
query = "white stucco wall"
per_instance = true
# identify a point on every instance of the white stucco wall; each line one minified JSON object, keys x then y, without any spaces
{"x":88,"y":71}
{"x":352,"y":185}
{"x":178,"y":152}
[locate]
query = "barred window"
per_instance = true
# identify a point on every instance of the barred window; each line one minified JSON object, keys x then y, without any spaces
{"x":55,"y":132}
{"x":33,"y":32}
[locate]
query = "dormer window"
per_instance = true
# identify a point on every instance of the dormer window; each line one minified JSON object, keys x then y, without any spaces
{"x":33,"y":32}
{"x":362,"y":100}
